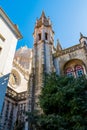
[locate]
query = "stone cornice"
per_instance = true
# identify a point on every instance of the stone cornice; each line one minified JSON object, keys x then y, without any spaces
{"x":10,"y":24}
{"x":69,"y":50}
{"x":43,"y":41}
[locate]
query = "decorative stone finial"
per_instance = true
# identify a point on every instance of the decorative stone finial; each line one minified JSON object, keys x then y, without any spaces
{"x":83,"y":39}
{"x":49,"y":20}
{"x":81,"y":35}
{"x":58,"y":42}
{"x":59,"y":48}
{"x":43,"y":14}
{"x":43,"y":20}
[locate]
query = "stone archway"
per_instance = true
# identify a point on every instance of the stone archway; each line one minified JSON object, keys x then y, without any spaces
{"x":75,"y":67}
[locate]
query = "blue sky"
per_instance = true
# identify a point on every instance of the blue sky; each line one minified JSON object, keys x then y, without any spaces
{"x":69,"y":18}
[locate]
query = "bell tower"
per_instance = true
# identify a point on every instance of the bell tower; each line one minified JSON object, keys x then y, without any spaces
{"x":42,"y":58}
{"x":43,"y":43}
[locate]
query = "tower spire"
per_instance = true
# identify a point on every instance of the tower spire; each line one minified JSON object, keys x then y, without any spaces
{"x":43,"y":14}
{"x":82,"y":38}
{"x":43,"y":20}
{"x":59,"y":48}
{"x":81,"y":35}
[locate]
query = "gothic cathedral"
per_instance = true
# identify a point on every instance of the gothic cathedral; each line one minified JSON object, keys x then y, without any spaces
{"x":29,"y":69}
{"x":47,"y":58}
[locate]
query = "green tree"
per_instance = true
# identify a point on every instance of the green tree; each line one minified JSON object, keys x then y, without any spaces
{"x":19,"y":125}
{"x":64,"y":103}
{"x":32,"y":118}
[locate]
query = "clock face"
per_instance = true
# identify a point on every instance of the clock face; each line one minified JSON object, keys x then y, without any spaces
{"x":14,"y":79}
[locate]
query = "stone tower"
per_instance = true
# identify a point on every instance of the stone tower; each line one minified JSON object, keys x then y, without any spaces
{"x":42,"y":58}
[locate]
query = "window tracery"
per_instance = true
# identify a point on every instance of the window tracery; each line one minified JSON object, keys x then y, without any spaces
{"x":14,"y":80}
{"x":79,"y":70}
{"x":69,"y":72}
{"x":74,"y":68}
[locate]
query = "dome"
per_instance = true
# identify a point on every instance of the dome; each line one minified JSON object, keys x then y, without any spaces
{"x":23,"y":56}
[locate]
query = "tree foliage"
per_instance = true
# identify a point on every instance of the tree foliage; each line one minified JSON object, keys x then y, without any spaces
{"x":64,"y":103}
{"x":19,"y":125}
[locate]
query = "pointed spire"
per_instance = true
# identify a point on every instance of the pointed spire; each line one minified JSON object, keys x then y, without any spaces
{"x":43,"y":17}
{"x":43,"y":14}
{"x":83,"y":39}
{"x":36,"y":21}
{"x":59,"y":48}
{"x":81,"y":35}
{"x":43,"y":20}
{"x":49,"y":21}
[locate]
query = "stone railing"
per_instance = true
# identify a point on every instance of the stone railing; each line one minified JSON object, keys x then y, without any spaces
{"x":16,"y":96}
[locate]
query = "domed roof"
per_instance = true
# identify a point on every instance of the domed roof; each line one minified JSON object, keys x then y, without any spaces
{"x":23,"y":51}
{"x":23,"y":56}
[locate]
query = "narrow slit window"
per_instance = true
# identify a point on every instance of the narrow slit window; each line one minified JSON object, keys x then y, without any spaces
{"x":46,"y":36}
{"x":2,"y":38}
{"x":0,"y":49}
{"x":39,"y":35}
{"x":79,"y":71}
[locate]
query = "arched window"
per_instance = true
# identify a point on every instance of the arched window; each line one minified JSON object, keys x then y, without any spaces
{"x":75,"y":68}
{"x":14,"y":79}
{"x":79,"y":70}
{"x":69,"y":72}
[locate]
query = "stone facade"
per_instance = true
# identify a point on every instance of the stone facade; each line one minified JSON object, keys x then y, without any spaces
{"x":30,"y":67}
{"x":74,"y":55}
{"x":47,"y":58}
{"x":42,"y":61}
{"x":15,"y":103}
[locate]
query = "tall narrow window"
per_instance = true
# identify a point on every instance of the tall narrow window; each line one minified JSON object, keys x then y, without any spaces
{"x":79,"y":71}
{"x":46,"y":36}
{"x":39,"y":35}
{"x":69,"y":72}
